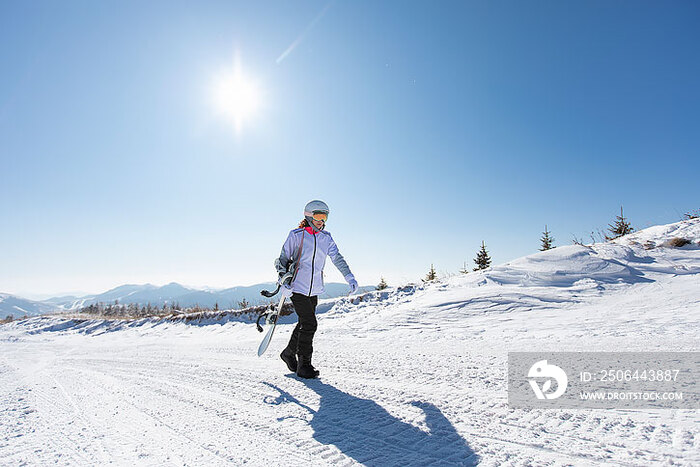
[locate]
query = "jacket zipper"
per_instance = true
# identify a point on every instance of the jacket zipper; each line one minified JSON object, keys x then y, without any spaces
{"x":313,"y":259}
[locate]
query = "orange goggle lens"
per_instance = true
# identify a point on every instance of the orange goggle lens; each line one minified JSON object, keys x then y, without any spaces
{"x":320,"y":216}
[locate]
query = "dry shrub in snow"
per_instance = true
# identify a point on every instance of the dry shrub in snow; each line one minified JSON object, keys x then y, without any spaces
{"x":677,"y":242}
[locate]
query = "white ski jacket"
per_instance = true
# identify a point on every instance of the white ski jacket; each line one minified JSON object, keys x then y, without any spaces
{"x":308,"y":279}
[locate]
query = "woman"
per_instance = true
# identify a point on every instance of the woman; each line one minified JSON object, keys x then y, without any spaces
{"x":306,"y":249}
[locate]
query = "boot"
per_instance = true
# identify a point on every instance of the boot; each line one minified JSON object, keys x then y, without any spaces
{"x":305,"y":369}
{"x":290,"y":358}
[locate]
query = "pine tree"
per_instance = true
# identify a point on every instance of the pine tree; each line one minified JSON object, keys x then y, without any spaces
{"x":382,"y":284}
{"x":432,"y":275}
{"x":243,"y":304}
{"x":619,"y":228}
{"x":464,"y":270}
{"x":482,"y":260}
{"x":546,"y":240}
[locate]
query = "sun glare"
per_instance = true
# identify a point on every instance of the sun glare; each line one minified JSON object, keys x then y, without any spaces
{"x":236,"y":96}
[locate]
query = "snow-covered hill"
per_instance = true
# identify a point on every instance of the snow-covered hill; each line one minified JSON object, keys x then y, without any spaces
{"x":410,"y":376}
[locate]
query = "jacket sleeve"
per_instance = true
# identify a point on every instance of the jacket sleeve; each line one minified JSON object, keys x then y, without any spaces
{"x":338,"y":259}
{"x":285,"y":257}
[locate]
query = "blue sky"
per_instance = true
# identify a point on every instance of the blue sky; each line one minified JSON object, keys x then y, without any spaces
{"x":426,"y":126}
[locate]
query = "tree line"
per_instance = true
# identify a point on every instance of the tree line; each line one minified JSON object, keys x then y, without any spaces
{"x":136,"y":310}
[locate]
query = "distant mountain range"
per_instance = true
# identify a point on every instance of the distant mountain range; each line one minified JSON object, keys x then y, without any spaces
{"x":155,"y":295}
{"x":17,"y":306}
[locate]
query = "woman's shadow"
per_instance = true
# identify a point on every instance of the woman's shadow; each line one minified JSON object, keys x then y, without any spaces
{"x":365,"y":431}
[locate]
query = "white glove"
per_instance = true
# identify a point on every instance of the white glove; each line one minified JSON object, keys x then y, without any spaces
{"x":352,"y":283}
{"x":286,"y":291}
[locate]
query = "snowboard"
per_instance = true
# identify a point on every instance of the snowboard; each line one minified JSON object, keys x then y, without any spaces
{"x":271,"y":321}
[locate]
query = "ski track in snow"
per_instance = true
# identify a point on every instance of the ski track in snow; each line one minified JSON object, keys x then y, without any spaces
{"x":409,"y":377}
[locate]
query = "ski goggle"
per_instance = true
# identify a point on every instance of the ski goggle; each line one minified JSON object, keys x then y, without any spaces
{"x":320,"y":216}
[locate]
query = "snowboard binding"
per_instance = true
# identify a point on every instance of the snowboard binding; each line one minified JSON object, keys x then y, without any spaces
{"x":284,"y":279}
{"x":270,"y":318}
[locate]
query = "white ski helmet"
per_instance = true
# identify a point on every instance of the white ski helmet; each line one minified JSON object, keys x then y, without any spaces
{"x":314,"y":207}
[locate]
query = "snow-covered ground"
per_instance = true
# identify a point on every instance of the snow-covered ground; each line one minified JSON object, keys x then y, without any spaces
{"x":415,"y":376}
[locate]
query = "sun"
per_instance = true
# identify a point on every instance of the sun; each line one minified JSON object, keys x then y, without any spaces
{"x":236,"y":96}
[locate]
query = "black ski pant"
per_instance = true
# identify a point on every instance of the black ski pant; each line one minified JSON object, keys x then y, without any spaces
{"x":302,"y":338}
